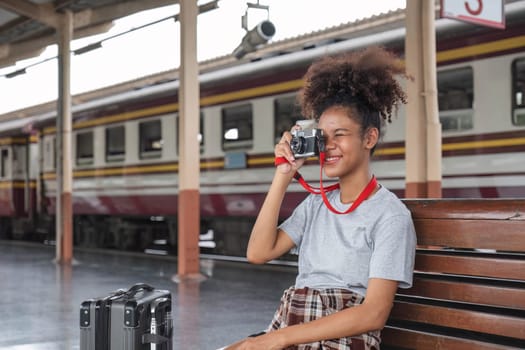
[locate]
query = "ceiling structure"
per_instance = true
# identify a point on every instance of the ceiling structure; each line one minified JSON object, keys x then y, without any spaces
{"x":27,"y":27}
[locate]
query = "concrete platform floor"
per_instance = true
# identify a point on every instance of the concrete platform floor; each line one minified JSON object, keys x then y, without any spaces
{"x":40,"y":300}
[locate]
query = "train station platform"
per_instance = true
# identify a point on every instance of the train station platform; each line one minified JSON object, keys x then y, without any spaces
{"x":40,"y":300}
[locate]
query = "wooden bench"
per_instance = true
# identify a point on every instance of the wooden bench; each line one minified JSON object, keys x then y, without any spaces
{"x":469,"y":280}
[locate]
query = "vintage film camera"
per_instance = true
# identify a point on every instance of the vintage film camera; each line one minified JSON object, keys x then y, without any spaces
{"x":307,"y":141}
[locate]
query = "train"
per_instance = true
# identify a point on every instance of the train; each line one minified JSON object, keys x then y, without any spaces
{"x":125,"y":148}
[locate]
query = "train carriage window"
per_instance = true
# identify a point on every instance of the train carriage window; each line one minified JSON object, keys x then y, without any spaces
{"x":115,"y":143}
{"x":286,"y":113}
{"x":455,"y":99}
{"x":518,"y":92}
{"x":150,"y":134}
{"x":237,"y":127}
{"x":4,"y":162}
{"x":84,"y":148}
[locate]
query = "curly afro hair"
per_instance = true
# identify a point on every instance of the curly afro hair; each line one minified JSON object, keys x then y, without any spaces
{"x":363,"y":81}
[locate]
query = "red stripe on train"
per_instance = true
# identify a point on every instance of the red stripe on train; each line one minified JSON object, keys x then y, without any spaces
{"x":238,"y":204}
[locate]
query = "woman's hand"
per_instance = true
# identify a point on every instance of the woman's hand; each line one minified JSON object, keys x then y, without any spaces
{"x":268,"y":341}
{"x":282,"y":149}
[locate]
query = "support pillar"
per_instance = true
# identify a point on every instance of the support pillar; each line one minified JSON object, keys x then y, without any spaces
{"x":64,"y":173}
{"x":423,"y":129}
{"x":189,"y":154}
{"x":430,"y":95}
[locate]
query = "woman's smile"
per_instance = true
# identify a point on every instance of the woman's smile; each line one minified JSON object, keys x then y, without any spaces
{"x":331,"y":160}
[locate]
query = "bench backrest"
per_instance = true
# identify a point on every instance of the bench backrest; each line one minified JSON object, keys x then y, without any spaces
{"x":469,"y":280}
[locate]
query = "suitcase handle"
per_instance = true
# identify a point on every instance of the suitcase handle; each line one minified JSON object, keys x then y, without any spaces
{"x":137,"y":288}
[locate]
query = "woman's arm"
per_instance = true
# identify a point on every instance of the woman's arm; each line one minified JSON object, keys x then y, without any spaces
{"x":359,"y":319}
{"x":266,"y":241}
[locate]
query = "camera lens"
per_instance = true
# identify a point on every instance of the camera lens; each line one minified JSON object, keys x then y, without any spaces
{"x":297,"y":144}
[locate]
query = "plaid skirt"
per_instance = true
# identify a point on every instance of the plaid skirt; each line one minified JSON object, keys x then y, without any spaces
{"x":306,"y":304}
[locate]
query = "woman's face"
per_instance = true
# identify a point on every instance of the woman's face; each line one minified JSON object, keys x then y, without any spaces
{"x":347,"y":150}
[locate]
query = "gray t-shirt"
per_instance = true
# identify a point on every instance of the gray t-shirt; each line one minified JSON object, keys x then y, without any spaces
{"x":377,"y":240}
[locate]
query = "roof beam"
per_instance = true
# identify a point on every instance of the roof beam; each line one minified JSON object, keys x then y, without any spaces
{"x":119,"y":10}
{"x":10,"y":53}
{"x":43,"y":13}
{"x":87,"y":22}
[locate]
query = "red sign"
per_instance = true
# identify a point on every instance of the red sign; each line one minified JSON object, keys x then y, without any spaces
{"x":484,"y":12}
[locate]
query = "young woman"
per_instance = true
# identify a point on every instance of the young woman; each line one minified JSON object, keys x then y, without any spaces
{"x":350,"y":264}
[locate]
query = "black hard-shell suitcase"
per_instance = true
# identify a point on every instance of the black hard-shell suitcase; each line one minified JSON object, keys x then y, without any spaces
{"x":135,"y":319}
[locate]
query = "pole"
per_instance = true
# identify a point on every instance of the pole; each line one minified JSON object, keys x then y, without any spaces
{"x":423,"y":129}
{"x":64,"y":212}
{"x":189,"y":157}
{"x":434,"y":156}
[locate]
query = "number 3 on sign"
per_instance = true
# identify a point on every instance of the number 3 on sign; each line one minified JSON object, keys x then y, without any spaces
{"x":475,"y":10}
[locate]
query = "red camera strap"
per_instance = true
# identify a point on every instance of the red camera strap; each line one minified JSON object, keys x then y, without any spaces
{"x":367,"y":191}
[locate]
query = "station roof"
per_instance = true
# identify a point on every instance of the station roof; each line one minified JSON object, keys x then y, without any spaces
{"x":319,"y":38}
{"x":27,"y":27}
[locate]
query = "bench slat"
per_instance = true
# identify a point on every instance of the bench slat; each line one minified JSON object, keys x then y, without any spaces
{"x":474,"y":234}
{"x":494,"y":209}
{"x":500,"y":325}
{"x":399,"y":338}
{"x":483,"y":266}
{"x":459,"y":291}
{"x":467,"y":293}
